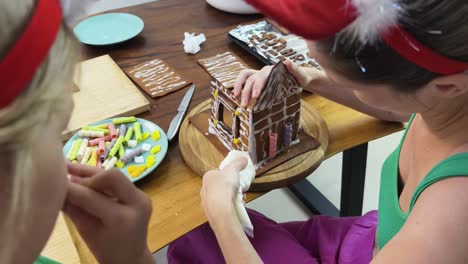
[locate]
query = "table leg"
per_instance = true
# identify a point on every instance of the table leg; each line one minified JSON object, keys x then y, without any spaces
{"x":352,"y":180}
{"x":313,"y":199}
{"x":352,"y":187}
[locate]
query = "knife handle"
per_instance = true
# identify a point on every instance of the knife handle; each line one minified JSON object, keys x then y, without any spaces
{"x":174,"y":126}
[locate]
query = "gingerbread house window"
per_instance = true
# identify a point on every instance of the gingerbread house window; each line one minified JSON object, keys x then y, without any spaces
{"x":228,"y":120}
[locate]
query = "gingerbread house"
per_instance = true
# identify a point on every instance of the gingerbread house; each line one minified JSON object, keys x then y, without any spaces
{"x":269,"y":125}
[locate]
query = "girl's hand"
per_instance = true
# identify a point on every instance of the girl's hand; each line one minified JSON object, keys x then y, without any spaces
{"x":219,"y":190}
{"x":249,"y":83}
{"x":110,"y":213}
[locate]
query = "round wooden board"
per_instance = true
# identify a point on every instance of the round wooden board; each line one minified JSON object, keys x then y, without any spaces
{"x":202,"y":156}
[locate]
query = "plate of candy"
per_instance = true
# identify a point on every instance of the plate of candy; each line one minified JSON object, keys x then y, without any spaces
{"x":135,"y":146}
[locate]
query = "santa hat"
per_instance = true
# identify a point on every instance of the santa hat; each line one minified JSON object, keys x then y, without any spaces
{"x":360,"y":20}
{"x":18,"y":67}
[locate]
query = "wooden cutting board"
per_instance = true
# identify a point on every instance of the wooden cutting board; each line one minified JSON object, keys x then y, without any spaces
{"x":104,"y":91}
{"x":201,"y":155}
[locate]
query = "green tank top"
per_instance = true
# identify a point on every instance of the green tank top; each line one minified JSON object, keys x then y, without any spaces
{"x":391,"y":218}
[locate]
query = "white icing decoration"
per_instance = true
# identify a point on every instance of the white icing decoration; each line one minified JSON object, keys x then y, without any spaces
{"x":157,"y":76}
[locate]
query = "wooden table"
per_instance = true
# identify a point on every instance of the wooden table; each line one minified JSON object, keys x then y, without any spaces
{"x":173,"y":187}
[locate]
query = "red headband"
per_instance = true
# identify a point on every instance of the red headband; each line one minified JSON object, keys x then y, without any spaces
{"x":17,"y":69}
{"x":316,"y":20}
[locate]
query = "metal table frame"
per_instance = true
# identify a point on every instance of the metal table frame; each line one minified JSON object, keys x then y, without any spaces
{"x":353,"y":177}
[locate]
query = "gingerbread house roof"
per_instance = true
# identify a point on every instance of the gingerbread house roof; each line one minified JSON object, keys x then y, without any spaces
{"x":225,"y":67}
{"x":279,"y":86}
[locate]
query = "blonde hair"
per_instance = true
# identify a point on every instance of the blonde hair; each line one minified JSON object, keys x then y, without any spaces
{"x":22,"y":120}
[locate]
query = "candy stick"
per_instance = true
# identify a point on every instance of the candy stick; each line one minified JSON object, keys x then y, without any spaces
{"x":82,"y":149}
{"x":272,"y":146}
{"x":108,"y":149}
{"x":103,"y":126}
{"x":70,"y":150}
{"x":116,"y":147}
{"x":93,"y":159}
{"x":104,"y":164}
{"x":122,"y":130}
{"x":101,"y":147}
{"x":111,"y":163}
{"x":112,"y":131}
{"x":86,"y":155}
{"x":123,"y":120}
{"x":88,"y":128}
{"x":95,"y":142}
{"x":75,"y":149}
{"x":129,"y":134}
{"x":131,"y":155}
{"x":287,"y":138}
{"x":137,"y":127}
{"x":93,"y":134}
{"x":121,"y":151}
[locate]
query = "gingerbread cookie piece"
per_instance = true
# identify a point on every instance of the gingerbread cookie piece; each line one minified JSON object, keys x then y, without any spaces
{"x":156,"y":78}
{"x":223,"y":67}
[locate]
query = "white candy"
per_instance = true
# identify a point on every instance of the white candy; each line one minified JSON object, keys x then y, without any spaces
{"x":146,"y":147}
{"x":192,"y":43}
{"x":132,"y":143}
{"x":139,"y":159}
{"x":104,"y":164}
{"x":82,"y":149}
{"x":111,"y":163}
{"x":87,"y":155}
{"x":90,"y":133}
{"x":127,"y":151}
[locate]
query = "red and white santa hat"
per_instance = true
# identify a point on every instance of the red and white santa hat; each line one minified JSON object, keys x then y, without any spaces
{"x":362,"y":20}
{"x":18,"y":67}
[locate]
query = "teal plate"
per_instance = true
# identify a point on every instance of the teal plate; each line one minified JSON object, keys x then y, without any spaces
{"x":108,"y":29}
{"x":146,"y":126}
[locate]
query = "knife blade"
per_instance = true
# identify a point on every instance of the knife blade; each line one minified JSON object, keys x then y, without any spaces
{"x":177,"y":120}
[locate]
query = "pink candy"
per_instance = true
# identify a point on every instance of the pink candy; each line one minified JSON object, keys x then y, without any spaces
{"x":95,"y":141}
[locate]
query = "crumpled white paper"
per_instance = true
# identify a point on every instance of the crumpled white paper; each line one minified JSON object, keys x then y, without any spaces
{"x":192,"y":43}
{"x":246,"y":177}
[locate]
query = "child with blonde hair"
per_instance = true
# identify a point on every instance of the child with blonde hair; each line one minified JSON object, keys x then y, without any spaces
{"x":37,"y":57}
{"x":397,"y":60}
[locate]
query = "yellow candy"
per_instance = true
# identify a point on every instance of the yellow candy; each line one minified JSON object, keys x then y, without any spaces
{"x":145,"y":136}
{"x":150,"y":161}
{"x":141,"y":168}
{"x":156,"y":149}
{"x":215,"y":94}
{"x":135,"y":174}
{"x":236,"y":113}
{"x":119,"y":164}
{"x":236,"y":141}
{"x":215,"y":122}
{"x":131,"y":168}
{"x":156,"y":135}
